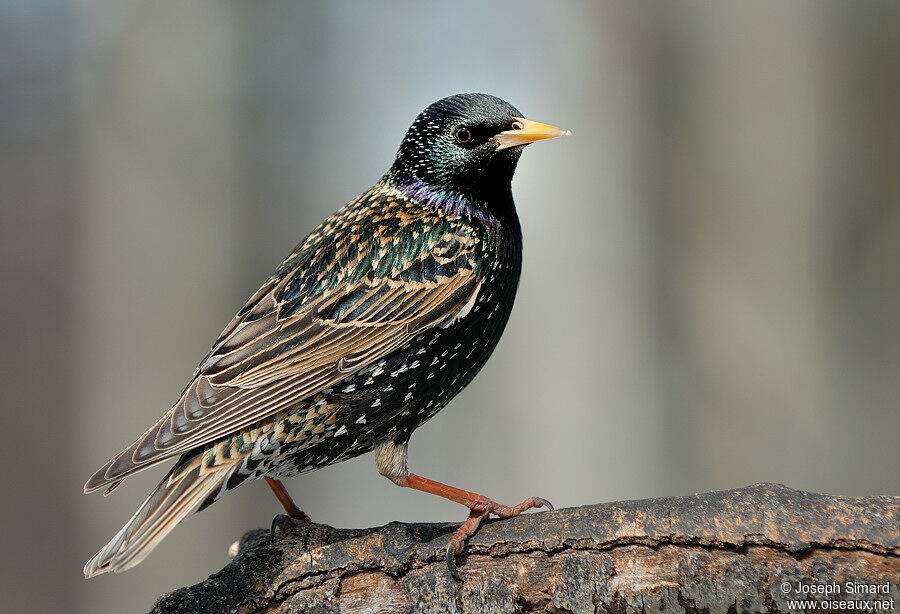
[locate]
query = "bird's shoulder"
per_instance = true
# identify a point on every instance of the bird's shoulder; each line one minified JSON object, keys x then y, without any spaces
{"x":382,"y":237}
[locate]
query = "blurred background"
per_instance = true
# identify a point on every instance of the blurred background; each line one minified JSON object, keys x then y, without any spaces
{"x":710,"y":294}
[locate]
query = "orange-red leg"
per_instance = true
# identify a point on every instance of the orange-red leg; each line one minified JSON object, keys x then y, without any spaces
{"x":481,"y":507}
{"x":284,"y":498}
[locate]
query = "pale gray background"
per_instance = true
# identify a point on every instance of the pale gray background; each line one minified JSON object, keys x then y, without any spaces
{"x":711,"y":288}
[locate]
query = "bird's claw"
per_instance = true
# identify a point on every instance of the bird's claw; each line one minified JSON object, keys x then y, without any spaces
{"x":544,"y":503}
{"x":451,"y":562}
{"x":275,"y":522}
{"x":299,"y":519}
{"x":470,"y":526}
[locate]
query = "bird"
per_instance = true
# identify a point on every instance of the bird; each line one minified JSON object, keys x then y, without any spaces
{"x":369,"y":327}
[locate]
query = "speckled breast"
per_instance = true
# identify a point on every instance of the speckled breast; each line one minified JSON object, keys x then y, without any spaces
{"x":393,"y":396}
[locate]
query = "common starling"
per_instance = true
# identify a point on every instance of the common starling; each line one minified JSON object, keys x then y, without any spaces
{"x":367,"y":329}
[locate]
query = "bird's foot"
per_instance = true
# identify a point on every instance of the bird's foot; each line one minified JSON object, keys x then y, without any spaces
{"x":293,"y":514}
{"x":480,"y":510}
{"x":502,"y":511}
{"x":283,"y":521}
{"x":481,"y":507}
{"x":459,"y":538}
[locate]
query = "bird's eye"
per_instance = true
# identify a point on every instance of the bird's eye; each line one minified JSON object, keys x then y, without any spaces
{"x":462,"y":135}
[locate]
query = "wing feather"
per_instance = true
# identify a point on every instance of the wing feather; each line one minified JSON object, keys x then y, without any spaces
{"x":283,"y":347}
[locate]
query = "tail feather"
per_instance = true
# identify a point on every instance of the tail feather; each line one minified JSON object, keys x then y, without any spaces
{"x":185,"y":489}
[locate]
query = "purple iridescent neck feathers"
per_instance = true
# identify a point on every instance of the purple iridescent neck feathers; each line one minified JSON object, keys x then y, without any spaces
{"x":452,"y":203}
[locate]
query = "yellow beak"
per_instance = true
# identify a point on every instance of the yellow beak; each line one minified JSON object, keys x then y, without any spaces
{"x":526,"y":131}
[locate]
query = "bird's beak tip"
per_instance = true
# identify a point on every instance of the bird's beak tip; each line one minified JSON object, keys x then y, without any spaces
{"x":526,"y":131}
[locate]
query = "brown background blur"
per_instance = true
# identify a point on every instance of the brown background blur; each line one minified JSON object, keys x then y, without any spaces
{"x":710,"y":294}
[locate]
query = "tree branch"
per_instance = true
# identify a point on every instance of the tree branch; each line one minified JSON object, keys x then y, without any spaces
{"x":723,"y":551}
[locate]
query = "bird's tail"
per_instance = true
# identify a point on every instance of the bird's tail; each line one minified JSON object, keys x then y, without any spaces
{"x":188,"y":487}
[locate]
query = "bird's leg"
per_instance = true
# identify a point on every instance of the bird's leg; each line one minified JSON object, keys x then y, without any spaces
{"x":390,"y":458}
{"x":284,"y":498}
{"x":294,"y":513}
{"x":473,"y":501}
{"x":481,"y":507}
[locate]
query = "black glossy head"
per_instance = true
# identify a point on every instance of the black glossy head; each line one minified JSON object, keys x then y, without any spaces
{"x":452,"y":147}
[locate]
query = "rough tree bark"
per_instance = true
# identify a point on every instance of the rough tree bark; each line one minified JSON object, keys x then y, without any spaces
{"x":744,"y":550}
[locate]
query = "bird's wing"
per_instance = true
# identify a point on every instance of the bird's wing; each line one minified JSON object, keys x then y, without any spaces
{"x":316,"y":321}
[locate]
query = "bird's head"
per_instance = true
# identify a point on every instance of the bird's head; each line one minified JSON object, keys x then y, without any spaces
{"x":464,"y":149}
